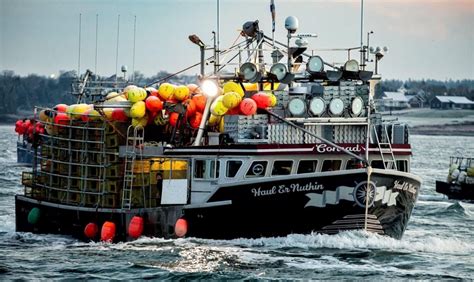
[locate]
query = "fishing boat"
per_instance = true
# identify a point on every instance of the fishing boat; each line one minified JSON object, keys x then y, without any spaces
{"x":459,"y":184}
{"x":254,"y":149}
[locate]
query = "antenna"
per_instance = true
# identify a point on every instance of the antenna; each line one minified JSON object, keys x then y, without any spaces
{"x":79,"y":57}
{"x":96,"y":40}
{"x":217,"y":36}
{"x":362,"y":57}
{"x":134,"y":40}
{"x":117,"y":49}
{"x":272,"y":10}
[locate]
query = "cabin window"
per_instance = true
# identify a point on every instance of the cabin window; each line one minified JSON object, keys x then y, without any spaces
{"x":257,"y":169}
{"x":206,"y":169}
{"x":377,"y":164}
{"x":354,"y":164}
{"x":402,"y":166}
{"x":282,"y":167}
{"x":329,"y":165}
{"x":232,"y":168}
{"x":307,"y":166}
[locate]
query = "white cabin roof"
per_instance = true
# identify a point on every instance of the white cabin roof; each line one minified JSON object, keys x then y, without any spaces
{"x":395,"y":96}
{"x":454,"y":99}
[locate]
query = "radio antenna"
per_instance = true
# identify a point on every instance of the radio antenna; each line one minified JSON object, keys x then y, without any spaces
{"x":117,"y":49}
{"x":79,"y":57}
{"x":134,"y":40}
{"x":96,"y":40}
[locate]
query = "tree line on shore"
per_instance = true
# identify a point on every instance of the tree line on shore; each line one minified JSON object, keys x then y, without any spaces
{"x":19,"y":94}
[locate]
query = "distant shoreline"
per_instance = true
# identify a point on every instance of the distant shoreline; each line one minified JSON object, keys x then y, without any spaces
{"x":461,"y":129}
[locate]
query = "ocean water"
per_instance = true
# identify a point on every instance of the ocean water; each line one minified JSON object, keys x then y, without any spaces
{"x":438,"y":244}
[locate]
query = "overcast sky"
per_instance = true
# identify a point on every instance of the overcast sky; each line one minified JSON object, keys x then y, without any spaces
{"x":426,"y":38}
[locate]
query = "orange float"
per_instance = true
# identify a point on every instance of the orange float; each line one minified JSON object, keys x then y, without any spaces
{"x":200,"y":101}
{"x":173,"y":119}
{"x":107,"y":233}
{"x":248,"y":107}
{"x":195,"y":121}
{"x":153,"y":104}
{"x":181,"y":227}
{"x":91,"y":230}
{"x":135,"y":227}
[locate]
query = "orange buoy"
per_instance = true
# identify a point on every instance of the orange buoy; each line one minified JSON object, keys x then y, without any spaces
{"x":195,"y":120}
{"x":61,"y":118}
{"x":173,"y":119}
{"x":190,"y":107}
{"x":135,"y":227}
{"x":181,"y":227}
{"x":119,"y":115}
{"x":107,"y":233}
{"x":91,"y":230}
{"x":200,"y":101}
{"x":192,"y":88}
{"x":60,"y":108}
{"x":154,"y":104}
{"x":248,"y":107}
{"x":262,"y":99}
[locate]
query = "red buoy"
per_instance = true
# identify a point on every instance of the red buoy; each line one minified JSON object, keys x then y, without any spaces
{"x":91,"y":230}
{"x":195,"y":120}
{"x":135,"y":227}
{"x":107,"y":233}
{"x":181,"y":227}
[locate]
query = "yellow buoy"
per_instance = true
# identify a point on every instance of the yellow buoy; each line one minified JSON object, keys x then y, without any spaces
{"x":138,"y":110}
{"x":231,"y":100}
{"x":140,"y":121}
{"x":231,"y":86}
{"x":273,"y":100}
{"x":79,"y":110}
{"x":213,"y":120}
{"x":181,"y":93}
{"x":136,"y":94}
{"x":166,"y":90}
{"x":217,"y":108}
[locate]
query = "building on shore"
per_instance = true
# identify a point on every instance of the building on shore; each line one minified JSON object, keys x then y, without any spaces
{"x":393,"y":101}
{"x":451,"y":102}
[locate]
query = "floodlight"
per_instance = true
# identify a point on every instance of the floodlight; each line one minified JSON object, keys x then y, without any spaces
{"x":209,"y":88}
{"x":249,"y":72}
{"x":336,"y":106}
{"x":315,"y":64}
{"x":351,"y":65}
{"x":297,"y":107}
{"x":317,"y":106}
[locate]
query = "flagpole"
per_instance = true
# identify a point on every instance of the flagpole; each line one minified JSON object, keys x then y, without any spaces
{"x":272,"y":10}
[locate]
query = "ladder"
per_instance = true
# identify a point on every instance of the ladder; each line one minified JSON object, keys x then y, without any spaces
{"x":385,"y":149}
{"x":133,"y":149}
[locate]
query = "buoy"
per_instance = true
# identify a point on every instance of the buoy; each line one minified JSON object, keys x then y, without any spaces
{"x":218,"y":108}
{"x":34,"y":216}
{"x":181,"y":227}
{"x":143,"y":121}
{"x":234,"y":111}
{"x":273,"y":100}
{"x":128,"y":88}
{"x":43,"y":116}
{"x":166,"y":90}
{"x":195,"y":120}
{"x":262,"y":99}
{"x":119,"y":115}
{"x":136,"y":94}
{"x":193,"y":88}
{"x":61,"y":118}
{"x":138,"y":110}
{"x":200,"y":101}
{"x":135,"y":227}
{"x":173,"y":119}
{"x":107,"y":233}
{"x":152,"y":91}
{"x":213,"y":120}
{"x":248,"y":107}
{"x":231,"y":100}
{"x":154,"y":104}
{"x":231,"y":86}
{"x":91,"y":230}
{"x":181,"y":93}
{"x":60,"y":108}
{"x":108,"y":113}
{"x":190,"y":107}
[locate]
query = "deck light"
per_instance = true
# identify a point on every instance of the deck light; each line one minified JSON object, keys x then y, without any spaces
{"x":209,"y":88}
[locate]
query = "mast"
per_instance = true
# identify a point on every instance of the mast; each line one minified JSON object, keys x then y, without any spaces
{"x":96,"y":40}
{"x":134,"y":40}
{"x":117,"y":48}
{"x":79,"y":49}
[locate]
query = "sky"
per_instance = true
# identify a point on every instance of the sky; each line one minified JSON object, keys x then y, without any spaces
{"x":427,"y":39}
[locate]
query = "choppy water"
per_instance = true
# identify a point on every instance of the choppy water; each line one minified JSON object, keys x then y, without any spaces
{"x":438,"y":244}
